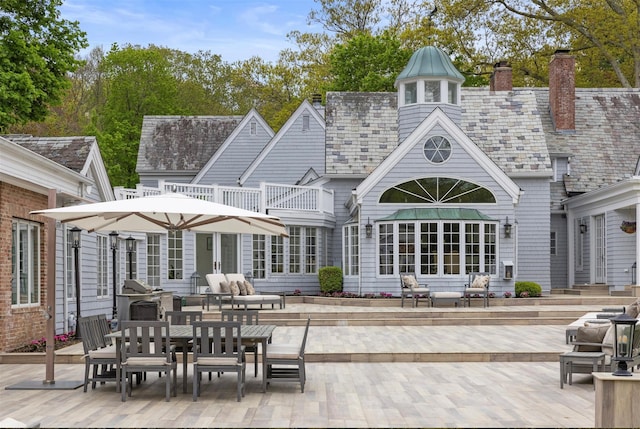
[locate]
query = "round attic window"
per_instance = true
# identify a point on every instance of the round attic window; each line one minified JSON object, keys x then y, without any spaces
{"x":437,"y":149}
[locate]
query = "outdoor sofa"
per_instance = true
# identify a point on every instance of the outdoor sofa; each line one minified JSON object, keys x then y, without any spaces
{"x":223,"y":286}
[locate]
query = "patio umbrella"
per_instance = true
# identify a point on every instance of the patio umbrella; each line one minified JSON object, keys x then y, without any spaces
{"x":166,"y":212}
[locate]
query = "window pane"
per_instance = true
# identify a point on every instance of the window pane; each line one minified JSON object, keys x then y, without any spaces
{"x":429,"y":248}
{"x":153,"y":260}
{"x":25,"y":263}
{"x":386,"y":248}
{"x":410,"y":93}
{"x":175,"y":255}
{"x":355,"y":250}
{"x":259,"y":256}
{"x":451,"y":251}
{"x":277,"y":254}
{"x":472,"y":248}
{"x":310,"y":250}
{"x":453,"y":93}
{"x":34,"y":263}
{"x":432,"y":91}
{"x":102,"y":266}
{"x":406,"y":248}
{"x":490,"y":248}
{"x":294,"y":249}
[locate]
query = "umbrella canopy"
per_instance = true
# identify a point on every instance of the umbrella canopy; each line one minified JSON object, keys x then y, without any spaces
{"x":166,"y":212}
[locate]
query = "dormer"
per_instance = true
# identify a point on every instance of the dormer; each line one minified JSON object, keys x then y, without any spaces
{"x":428,"y":81}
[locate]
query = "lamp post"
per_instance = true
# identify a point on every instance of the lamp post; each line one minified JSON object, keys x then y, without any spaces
{"x":75,"y":244}
{"x":624,"y":326}
{"x":113,"y":241}
{"x":131,"y":243}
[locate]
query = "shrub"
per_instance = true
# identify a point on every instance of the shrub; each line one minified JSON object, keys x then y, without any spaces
{"x":507,"y":294}
{"x":531,"y":289}
{"x":330,"y":279}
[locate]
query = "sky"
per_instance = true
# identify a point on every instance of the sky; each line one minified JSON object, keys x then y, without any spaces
{"x":234,"y":29}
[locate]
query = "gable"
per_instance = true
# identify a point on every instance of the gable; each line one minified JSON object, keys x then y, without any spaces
{"x":237,"y":152}
{"x":408,"y":161}
{"x":297,"y":147}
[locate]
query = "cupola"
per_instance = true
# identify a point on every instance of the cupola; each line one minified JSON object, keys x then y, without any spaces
{"x":428,"y":81}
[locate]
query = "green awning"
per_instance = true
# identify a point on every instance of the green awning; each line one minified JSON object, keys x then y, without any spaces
{"x":437,"y":214}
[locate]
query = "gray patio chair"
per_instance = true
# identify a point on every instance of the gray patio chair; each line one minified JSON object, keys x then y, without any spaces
{"x":409,"y":287}
{"x":478,"y":286}
{"x":216,"y":351}
{"x":153,"y":354}
{"x":285,"y":362}
{"x":99,"y":353}
{"x":245,"y":317}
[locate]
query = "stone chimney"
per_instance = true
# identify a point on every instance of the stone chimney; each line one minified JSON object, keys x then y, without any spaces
{"x":501,"y":78}
{"x":562,"y":90}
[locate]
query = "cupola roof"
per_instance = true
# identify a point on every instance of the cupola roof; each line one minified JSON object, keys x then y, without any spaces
{"x":430,"y":61}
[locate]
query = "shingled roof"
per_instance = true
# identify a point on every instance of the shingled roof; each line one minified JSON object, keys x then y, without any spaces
{"x":71,"y":152}
{"x":181,"y":143}
{"x":605,"y":146}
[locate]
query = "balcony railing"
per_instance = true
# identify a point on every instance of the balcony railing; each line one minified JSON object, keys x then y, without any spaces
{"x":267,"y":196}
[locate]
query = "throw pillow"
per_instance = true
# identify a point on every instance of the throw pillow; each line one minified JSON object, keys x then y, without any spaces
{"x":242,"y":287}
{"x":235,"y":290}
{"x":591,"y":334}
{"x":409,"y":281}
{"x":480,"y":282}
{"x":225,"y":287}
{"x":633,"y":310}
{"x":250,"y":289}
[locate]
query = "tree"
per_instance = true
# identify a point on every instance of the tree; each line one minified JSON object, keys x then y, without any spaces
{"x":367,"y":63}
{"x":37,"y":51}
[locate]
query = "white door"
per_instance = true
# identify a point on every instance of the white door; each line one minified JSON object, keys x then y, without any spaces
{"x":217,"y":253}
{"x":600,"y":249}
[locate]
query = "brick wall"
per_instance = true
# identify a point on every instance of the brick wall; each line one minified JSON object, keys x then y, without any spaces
{"x":19,"y":326}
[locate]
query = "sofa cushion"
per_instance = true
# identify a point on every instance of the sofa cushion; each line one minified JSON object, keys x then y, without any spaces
{"x":607,"y":341}
{"x":591,"y":334}
{"x":214,"y":280}
{"x":250,"y":289}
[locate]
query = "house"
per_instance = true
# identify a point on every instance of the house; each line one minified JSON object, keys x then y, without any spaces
{"x":37,"y":173}
{"x":434,"y":179}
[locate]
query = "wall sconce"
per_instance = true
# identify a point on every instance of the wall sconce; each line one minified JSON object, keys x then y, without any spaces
{"x":624,"y":326}
{"x":368,"y":228}
{"x":507,"y":228}
{"x":583,"y":228}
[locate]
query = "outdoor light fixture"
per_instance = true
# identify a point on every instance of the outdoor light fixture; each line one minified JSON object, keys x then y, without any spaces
{"x":75,"y":244}
{"x":131,"y":245}
{"x":624,"y":326}
{"x":368,"y":228}
{"x":113,"y":241}
{"x":583,"y":228}
{"x":507,"y":228}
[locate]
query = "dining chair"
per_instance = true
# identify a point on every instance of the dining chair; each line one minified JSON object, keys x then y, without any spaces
{"x":152,"y":354}
{"x":182,"y":317}
{"x":99,"y":353}
{"x":245,"y":317}
{"x":216,"y":351}
{"x":285,"y":362}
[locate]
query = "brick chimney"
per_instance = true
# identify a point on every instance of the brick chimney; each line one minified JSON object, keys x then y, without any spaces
{"x":562,"y":90}
{"x":501,"y":78}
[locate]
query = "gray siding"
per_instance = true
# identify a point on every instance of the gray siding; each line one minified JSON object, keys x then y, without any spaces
{"x":409,"y":117}
{"x":237,"y":156}
{"x":620,"y":250}
{"x":293,"y":153}
{"x":559,"y":261}
{"x":533,"y":232}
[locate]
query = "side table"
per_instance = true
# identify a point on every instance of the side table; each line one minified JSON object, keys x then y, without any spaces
{"x":567,"y":360}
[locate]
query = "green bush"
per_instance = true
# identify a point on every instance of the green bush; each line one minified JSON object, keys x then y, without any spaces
{"x":531,"y":288}
{"x":330,"y":279}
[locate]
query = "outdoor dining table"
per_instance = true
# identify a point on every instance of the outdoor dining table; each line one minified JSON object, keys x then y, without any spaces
{"x":183,"y":334}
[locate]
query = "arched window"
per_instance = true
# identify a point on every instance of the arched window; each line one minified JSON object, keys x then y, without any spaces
{"x":430,"y":190}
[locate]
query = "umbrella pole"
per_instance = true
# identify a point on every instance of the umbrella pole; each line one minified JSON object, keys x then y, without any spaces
{"x":50,"y":313}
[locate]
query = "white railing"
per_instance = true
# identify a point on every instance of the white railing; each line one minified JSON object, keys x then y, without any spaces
{"x":268,"y":196}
